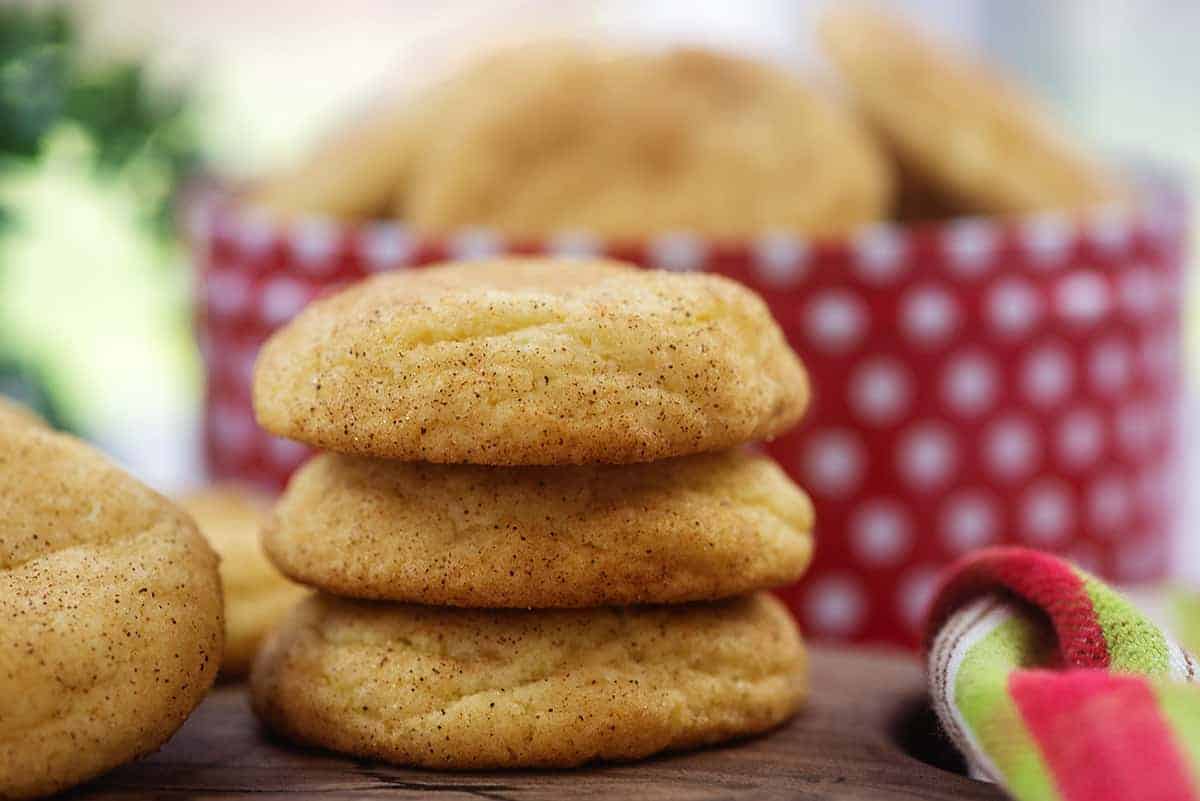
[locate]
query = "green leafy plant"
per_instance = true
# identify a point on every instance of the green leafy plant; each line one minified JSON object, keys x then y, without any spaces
{"x":134,"y":131}
{"x":45,"y":83}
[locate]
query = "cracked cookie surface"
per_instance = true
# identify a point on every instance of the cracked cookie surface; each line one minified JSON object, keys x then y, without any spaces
{"x":110,"y":613}
{"x":531,"y":362}
{"x":686,"y":529}
{"x":473,"y":689}
{"x":624,"y":145}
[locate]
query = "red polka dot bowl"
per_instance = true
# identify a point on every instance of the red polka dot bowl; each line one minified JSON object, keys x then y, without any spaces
{"x":975,"y":381}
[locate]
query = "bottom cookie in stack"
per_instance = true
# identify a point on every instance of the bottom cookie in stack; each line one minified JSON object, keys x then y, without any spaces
{"x":534,"y":684}
{"x":470,"y":688}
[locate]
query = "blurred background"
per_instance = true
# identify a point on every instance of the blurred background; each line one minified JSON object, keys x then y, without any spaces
{"x":107,"y":105}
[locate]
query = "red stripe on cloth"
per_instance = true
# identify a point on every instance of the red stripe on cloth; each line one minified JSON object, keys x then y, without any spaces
{"x":1102,"y":736}
{"x":1047,"y":582}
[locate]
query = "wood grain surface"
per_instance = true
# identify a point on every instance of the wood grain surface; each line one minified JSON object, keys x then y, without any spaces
{"x":846,"y":745}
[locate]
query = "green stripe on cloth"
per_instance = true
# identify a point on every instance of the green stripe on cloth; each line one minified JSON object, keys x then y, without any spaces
{"x":1185,"y":616}
{"x":1180,"y":706}
{"x":1057,"y":687}
{"x":981,"y":692}
{"x":1135,"y":645}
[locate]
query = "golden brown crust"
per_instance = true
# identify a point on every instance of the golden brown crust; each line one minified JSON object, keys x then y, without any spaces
{"x":626,"y":145}
{"x":473,"y":689}
{"x":13,"y":413}
{"x":688,"y":529}
{"x":355,"y":171}
{"x":349,"y":175}
{"x":110,"y":614}
{"x":256,"y":595}
{"x":955,"y":125}
{"x":531,"y":361}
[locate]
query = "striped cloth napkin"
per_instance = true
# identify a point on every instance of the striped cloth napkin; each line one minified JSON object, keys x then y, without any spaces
{"x":1056,"y":687}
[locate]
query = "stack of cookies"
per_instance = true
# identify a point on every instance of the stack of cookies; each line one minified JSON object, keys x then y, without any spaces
{"x":536,"y":539}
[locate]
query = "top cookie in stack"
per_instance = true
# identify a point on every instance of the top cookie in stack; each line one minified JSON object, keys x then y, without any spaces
{"x":547,"y":386}
{"x":531,"y":362}
{"x":586,"y":418}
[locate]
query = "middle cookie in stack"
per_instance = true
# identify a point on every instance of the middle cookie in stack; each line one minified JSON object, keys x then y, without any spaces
{"x":529,"y":398}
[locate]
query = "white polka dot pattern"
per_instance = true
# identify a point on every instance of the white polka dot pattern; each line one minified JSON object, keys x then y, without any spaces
{"x":969,"y":519}
{"x":255,"y":235}
{"x":1080,"y":438}
{"x":387,"y":247}
{"x":881,"y":532}
{"x":779,"y":259}
{"x":314,"y":243}
{"x":914,"y":593}
{"x":228,"y":292}
{"x":978,"y":382}
{"x":282,"y":299}
{"x":834,"y":462}
{"x":1011,"y":448}
{"x":969,"y":383}
{"x":929,"y":315}
{"x":475,"y":243}
{"x":836,"y":605}
{"x":1047,"y":375}
{"x":1083,"y":297}
{"x":879,"y":253}
{"x":836,"y":321}
{"x":1046,"y":514}
{"x":971,"y":245}
{"x":927,"y":456}
{"x":880,"y":391}
{"x":1013,"y":307}
{"x":575,"y":245}
{"x":1047,"y":238}
{"x":679,"y":253}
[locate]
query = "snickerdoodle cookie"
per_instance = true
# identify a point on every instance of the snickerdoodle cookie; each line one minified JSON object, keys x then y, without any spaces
{"x":455,"y":688}
{"x":692,"y":528}
{"x":355,"y":171}
{"x":110,"y":613}
{"x":350,"y":174}
{"x":13,"y":413}
{"x":628,"y":144}
{"x":957,"y":126}
{"x":531,"y":361}
{"x":256,"y":595}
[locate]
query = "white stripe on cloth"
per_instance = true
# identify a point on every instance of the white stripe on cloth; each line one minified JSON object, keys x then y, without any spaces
{"x":964,"y":629}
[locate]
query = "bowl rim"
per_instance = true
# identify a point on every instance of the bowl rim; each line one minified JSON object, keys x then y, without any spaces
{"x":1161,"y":204}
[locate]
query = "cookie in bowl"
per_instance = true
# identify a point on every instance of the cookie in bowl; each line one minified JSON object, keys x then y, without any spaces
{"x":624,"y":145}
{"x":256,"y":595}
{"x":961,"y":130}
{"x":356,"y":170}
{"x":560,"y":136}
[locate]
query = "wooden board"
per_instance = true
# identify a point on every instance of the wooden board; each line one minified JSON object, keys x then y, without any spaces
{"x":846,"y":745}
